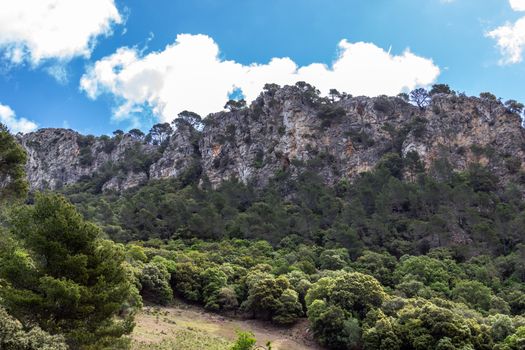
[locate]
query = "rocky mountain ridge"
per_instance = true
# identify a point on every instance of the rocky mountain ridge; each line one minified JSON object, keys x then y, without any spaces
{"x":286,"y":129}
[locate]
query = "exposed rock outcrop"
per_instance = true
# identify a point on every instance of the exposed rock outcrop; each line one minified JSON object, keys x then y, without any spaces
{"x":179,"y":155}
{"x":284,"y":129}
{"x":59,"y":157}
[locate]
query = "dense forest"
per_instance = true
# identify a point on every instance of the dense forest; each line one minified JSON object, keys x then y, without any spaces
{"x":402,"y":257}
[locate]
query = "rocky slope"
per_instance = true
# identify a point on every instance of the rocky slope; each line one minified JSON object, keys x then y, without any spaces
{"x":284,"y":129}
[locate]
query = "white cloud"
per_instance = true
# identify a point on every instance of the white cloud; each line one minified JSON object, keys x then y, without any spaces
{"x":517,"y":5}
{"x":59,"y":72}
{"x":189,"y":74}
{"x":36,"y":30}
{"x":510,"y":37}
{"x":15,"y":124}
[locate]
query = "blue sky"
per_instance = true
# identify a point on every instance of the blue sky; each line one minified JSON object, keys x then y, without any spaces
{"x":108,"y":66}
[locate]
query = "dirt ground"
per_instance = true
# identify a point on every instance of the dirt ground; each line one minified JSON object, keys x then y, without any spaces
{"x":156,"y":325}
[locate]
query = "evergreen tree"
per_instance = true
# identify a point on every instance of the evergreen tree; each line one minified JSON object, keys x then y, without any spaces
{"x":13,"y":182}
{"x":62,"y":276}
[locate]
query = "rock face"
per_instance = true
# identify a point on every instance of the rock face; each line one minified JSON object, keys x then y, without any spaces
{"x":284,"y":129}
{"x":59,"y":157}
{"x":182,"y":150}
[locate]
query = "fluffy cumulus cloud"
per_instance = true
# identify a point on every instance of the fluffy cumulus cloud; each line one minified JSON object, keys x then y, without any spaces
{"x":15,"y":124}
{"x":36,"y":30}
{"x":190,"y":75}
{"x":510,"y":37}
{"x":517,"y":5}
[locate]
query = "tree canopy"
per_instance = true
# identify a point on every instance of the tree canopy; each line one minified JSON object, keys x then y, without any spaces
{"x":61,"y":275}
{"x":13,"y":183}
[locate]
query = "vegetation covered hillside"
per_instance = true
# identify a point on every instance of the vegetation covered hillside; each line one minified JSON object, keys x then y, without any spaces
{"x":420,"y":249}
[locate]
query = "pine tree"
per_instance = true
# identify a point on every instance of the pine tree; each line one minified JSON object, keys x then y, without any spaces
{"x":62,"y":276}
{"x":13,"y":182}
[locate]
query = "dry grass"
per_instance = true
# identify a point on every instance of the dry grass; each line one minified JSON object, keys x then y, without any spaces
{"x":184,"y":339}
{"x":184,"y":327}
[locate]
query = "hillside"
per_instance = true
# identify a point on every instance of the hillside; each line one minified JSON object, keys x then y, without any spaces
{"x":188,"y":327}
{"x":338,"y":222}
{"x":283,"y":129}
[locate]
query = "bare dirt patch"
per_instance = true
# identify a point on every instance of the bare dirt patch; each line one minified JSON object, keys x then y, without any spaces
{"x":157,"y":328}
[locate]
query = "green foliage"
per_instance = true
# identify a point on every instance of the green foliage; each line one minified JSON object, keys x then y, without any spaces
{"x":155,"y":282}
{"x":328,"y":113}
{"x":13,"y":183}
{"x":334,"y":259}
{"x":396,"y":207}
{"x":441,"y":89}
{"x":420,"y":97}
{"x":85,"y":144}
{"x":514,"y":106}
{"x":490,"y":100}
{"x":439,"y":306}
{"x":13,"y":336}
{"x":259,"y":159}
{"x":488,"y":96}
{"x":515,"y":341}
{"x":501,"y":327}
{"x":355,"y":292}
{"x":214,"y":280}
{"x":160,"y":133}
{"x":136,"y":160}
{"x":187,"y":281}
{"x":333,"y":327}
{"x":400,"y":258}
{"x":271,"y":298}
{"x":309,"y":93}
{"x":189,"y":118}
{"x":86,"y":157}
{"x":73,"y":282}
{"x":245,"y":341}
{"x":235,"y":105}
{"x":404,"y":96}
{"x":315,"y":231}
{"x":137,"y":134}
{"x":334,"y":94}
{"x":226,"y":299}
{"x":384,"y":105}
{"x":109,"y":143}
{"x":473,"y":293}
{"x":392,"y":163}
{"x":423,"y":325}
{"x":430,"y":271}
{"x":336,"y":304}
{"x":379,"y":265}
{"x":361,"y":137}
{"x":346,"y":309}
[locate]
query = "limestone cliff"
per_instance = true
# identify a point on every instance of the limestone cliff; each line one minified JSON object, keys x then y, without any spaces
{"x":284,"y":129}
{"x":59,"y":157}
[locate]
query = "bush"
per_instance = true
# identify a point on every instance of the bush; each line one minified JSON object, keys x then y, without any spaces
{"x":473,"y":293}
{"x":13,"y":336}
{"x":245,"y":341}
{"x":333,"y":327}
{"x":329,"y":114}
{"x":271,"y":298}
{"x":86,"y":156}
{"x":13,"y":183}
{"x":155,"y":282}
